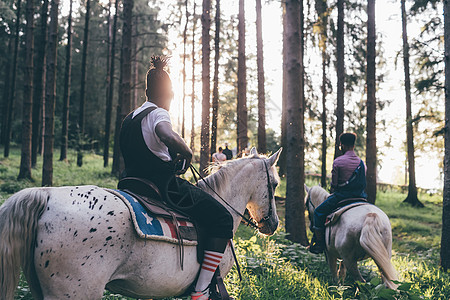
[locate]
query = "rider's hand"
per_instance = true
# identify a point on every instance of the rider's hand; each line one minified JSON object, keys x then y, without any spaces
{"x":182,"y":163}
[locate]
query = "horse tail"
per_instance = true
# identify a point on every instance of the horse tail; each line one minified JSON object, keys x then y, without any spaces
{"x":372,"y":241}
{"x":19,"y":217}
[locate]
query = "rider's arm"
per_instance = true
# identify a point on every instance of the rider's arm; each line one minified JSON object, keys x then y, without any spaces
{"x":173,"y":141}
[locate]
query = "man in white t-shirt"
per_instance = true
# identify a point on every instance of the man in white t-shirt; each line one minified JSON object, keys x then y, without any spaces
{"x":152,"y":150}
{"x":219,"y":156}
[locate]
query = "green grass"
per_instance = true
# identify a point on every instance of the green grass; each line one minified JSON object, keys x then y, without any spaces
{"x":275,"y":268}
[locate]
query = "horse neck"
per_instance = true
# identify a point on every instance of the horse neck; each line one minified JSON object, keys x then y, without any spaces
{"x":318,"y":195}
{"x":232,"y":183}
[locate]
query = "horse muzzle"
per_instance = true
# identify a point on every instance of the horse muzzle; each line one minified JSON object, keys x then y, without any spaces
{"x":268,"y":226}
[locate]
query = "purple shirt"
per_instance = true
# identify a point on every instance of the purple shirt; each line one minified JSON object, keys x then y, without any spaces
{"x":343,"y":168}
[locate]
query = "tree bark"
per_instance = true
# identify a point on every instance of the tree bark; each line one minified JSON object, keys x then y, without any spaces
{"x":371,"y":142}
{"x":12,"y":93}
{"x":412,"y":188}
{"x":39,"y":87}
{"x":125,"y":77}
{"x":340,"y":68}
{"x":262,"y":146}
{"x":50,"y":95}
{"x":295,"y":179}
{"x":204,"y":138}
{"x":25,"y":159}
{"x":66,"y":97}
{"x":6,"y":90}
{"x":445,"y":239}
{"x":242,"y":138}
{"x":282,"y":160}
{"x":194,"y":21}
{"x":215,"y":101}
{"x":183,"y":119}
{"x":110,"y":98}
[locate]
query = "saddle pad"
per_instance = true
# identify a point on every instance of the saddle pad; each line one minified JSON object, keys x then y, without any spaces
{"x":333,"y":218}
{"x":152,"y":227}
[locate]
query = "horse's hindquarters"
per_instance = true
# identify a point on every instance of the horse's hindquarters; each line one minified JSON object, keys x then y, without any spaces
{"x":85,"y":240}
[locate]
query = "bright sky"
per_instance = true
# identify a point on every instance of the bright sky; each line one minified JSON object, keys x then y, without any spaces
{"x":388,"y":23}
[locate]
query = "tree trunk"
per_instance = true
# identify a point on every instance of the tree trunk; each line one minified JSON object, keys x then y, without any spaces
{"x":134,"y":102}
{"x":83,"y":82}
{"x":183,"y":121}
{"x":204,"y":138}
{"x":194,"y":21}
{"x":262,"y":147}
{"x":50,"y":95}
{"x":125,"y":70}
{"x":39,"y":86}
{"x":340,"y":69}
{"x":371,"y":142}
{"x":215,"y":101}
{"x":66,"y":98}
{"x":445,"y":240}
{"x":242,"y":138}
{"x":295,"y":208}
{"x":110,"y":98}
{"x":282,"y":160}
{"x":12,"y":93}
{"x":25,"y":159}
{"x":412,"y":189}
{"x":6,"y":90}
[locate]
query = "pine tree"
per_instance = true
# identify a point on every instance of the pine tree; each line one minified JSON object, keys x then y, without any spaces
{"x":242,"y":114}
{"x":340,"y":70}
{"x":262,"y":147}
{"x":215,"y":100}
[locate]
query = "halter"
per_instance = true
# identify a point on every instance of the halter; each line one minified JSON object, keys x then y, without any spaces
{"x":248,"y":221}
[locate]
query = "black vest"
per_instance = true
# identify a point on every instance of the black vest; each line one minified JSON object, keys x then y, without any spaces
{"x":139,"y":160}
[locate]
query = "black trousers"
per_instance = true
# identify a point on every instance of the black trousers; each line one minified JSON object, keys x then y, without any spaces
{"x":206,"y":211}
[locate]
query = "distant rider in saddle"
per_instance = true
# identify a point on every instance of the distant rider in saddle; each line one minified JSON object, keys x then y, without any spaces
{"x":151,"y":150}
{"x":348,"y":180}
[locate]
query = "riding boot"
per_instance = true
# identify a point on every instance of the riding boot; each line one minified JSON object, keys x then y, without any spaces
{"x":317,"y":242}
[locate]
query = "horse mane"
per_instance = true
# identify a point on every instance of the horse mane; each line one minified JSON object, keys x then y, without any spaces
{"x":318,"y":195}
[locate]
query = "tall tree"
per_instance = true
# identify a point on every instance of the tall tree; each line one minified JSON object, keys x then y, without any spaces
{"x":282,"y":160}
{"x":39,"y":85}
{"x":340,"y":70}
{"x":124,"y":106}
{"x":184,"y":69}
{"x":194,"y":22}
{"x":6,"y":90}
{"x":66,"y":96}
{"x":295,"y":177}
{"x":322,"y":24}
{"x":12,"y":93}
{"x":445,"y":240}
{"x":204,"y":138}
{"x":50,"y":95}
{"x":83,"y":81}
{"x":371,"y":141}
{"x":242,"y":138}
{"x":215,"y":100}
{"x":412,"y":188}
{"x":25,"y":158}
{"x":110,"y":98}
{"x":262,"y":147}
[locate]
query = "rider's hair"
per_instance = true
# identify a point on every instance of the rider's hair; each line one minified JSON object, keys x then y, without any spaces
{"x":348,"y":139}
{"x":158,"y":81}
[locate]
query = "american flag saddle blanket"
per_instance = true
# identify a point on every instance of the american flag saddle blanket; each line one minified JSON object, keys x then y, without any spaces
{"x":149,"y":226}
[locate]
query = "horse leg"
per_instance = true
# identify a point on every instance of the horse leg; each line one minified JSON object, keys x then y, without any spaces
{"x":332,"y":263}
{"x":352,"y":268}
{"x":342,"y":272}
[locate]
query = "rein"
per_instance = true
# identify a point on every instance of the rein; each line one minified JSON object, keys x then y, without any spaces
{"x":247,"y":221}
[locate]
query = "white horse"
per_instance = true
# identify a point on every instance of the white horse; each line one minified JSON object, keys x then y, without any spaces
{"x":72,"y":242}
{"x":361,"y":232}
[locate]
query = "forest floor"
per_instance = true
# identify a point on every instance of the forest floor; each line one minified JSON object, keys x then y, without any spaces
{"x":275,"y":268}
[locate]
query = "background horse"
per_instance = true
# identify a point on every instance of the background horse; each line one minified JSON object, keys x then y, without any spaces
{"x":361,"y":232}
{"x":72,"y":242}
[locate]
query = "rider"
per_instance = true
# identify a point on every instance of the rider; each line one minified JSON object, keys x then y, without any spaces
{"x":348,"y":180}
{"x":151,"y":150}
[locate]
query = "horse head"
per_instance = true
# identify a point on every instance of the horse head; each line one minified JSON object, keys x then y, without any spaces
{"x":262,"y":202}
{"x":314,"y":197}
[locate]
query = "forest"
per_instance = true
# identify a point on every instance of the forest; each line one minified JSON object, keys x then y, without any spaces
{"x":291,"y":74}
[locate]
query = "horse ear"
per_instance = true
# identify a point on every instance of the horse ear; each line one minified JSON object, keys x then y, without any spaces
{"x":307,"y":188}
{"x":254,"y":152}
{"x":274,"y":157}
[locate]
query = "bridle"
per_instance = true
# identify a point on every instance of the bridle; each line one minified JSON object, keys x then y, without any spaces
{"x":248,"y":221}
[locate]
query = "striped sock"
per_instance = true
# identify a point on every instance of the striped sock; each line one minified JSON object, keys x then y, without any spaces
{"x":209,"y":266}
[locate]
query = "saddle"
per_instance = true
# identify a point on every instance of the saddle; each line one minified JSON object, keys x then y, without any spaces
{"x":343,"y":206}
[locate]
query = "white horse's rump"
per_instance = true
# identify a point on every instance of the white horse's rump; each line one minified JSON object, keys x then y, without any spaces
{"x":361,"y":232}
{"x":83,"y":240}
